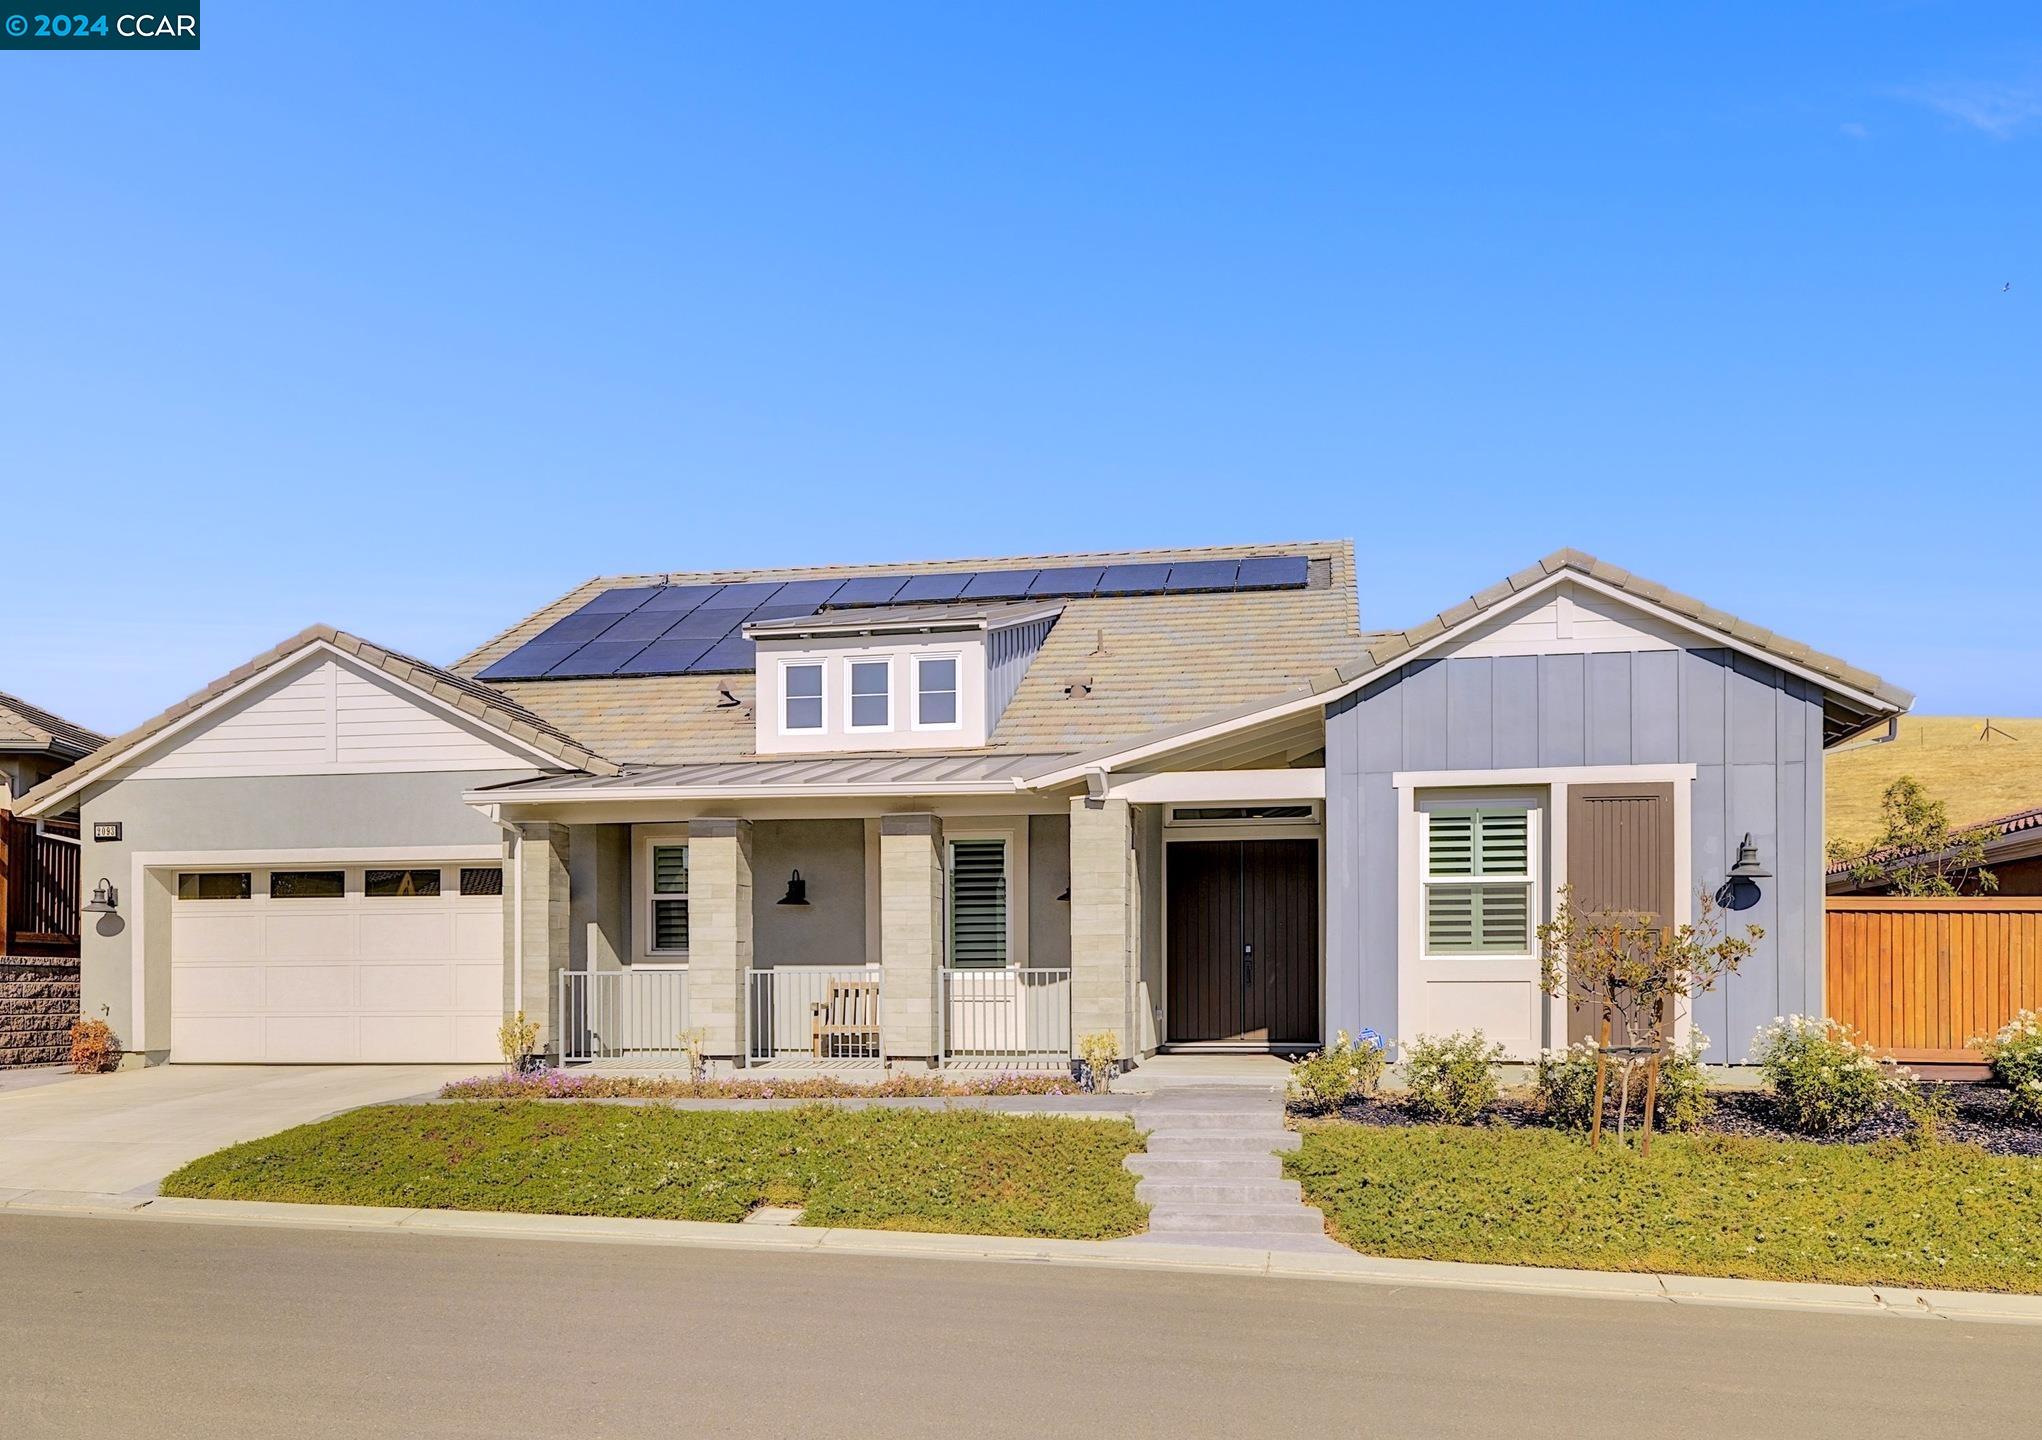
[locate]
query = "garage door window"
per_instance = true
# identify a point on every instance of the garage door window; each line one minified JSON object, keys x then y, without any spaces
{"x":307,"y":884}
{"x":482,"y":880}
{"x":396,"y":883}
{"x":213,"y":885}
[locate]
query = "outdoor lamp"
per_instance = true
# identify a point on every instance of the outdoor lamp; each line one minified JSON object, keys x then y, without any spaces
{"x":1749,"y":866}
{"x":105,"y":899}
{"x":797,"y":891}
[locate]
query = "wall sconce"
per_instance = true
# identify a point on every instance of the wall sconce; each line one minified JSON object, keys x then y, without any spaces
{"x":797,"y":891}
{"x":1749,"y":866}
{"x":105,"y":899}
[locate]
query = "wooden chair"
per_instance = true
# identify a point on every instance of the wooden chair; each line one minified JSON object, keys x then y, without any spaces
{"x":847,"y":1023}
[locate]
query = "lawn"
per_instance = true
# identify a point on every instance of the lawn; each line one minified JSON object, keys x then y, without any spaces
{"x":1948,"y":1216}
{"x":962,"y":1172}
{"x":1978,"y":778}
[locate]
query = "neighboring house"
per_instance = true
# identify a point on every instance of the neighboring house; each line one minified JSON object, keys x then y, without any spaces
{"x":34,"y":745}
{"x":959,"y":811}
{"x":2013,"y":859}
{"x":38,"y":888}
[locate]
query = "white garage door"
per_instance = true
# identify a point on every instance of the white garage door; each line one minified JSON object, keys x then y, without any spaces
{"x":320,"y":965}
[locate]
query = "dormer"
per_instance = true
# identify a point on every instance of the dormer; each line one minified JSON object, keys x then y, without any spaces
{"x":916,"y":677}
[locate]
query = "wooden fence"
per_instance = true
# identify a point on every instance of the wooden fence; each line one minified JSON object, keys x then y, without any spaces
{"x":39,"y":877}
{"x":1922,"y":978}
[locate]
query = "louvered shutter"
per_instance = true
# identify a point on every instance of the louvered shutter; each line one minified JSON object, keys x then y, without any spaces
{"x":978,"y":904}
{"x":1475,"y":918}
{"x":670,"y":898}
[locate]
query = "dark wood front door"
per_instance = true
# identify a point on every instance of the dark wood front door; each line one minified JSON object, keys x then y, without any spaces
{"x":1619,"y":859}
{"x":1244,"y":941}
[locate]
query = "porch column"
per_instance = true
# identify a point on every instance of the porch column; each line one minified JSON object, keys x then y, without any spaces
{"x":538,"y":934}
{"x":1105,"y":920}
{"x":719,"y":934}
{"x":910,"y":936}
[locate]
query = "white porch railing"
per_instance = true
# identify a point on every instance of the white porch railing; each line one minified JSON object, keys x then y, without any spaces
{"x":1009,"y":1016}
{"x":623,"y":1017}
{"x":808,"y":1014}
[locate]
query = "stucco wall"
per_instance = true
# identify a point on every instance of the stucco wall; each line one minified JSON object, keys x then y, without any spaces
{"x":830,"y":929}
{"x":1753,"y":733}
{"x":1049,"y":876}
{"x":247,"y":814}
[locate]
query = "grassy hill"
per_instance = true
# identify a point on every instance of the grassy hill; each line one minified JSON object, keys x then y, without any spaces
{"x":1978,"y":778}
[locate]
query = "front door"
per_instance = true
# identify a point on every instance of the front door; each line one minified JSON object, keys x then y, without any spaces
{"x":1244,"y":942}
{"x":1619,"y":859}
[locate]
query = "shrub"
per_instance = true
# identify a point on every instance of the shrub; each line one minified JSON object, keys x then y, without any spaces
{"x":2014,"y":1052}
{"x":95,"y":1049}
{"x":516,"y":1039}
{"x":903,"y":1085}
{"x":1565,"y":1086}
{"x":1099,"y":1057}
{"x":1823,"y":1079}
{"x":1345,"y":1070}
{"x":1451,"y":1077}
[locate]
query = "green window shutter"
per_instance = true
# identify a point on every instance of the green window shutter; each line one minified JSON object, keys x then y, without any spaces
{"x":1504,"y":842}
{"x":1451,"y":842}
{"x":1450,"y":917}
{"x":978,"y":904}
{"x":1477,"y":919}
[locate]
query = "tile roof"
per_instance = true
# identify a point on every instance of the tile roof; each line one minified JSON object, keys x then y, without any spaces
{"x":30,"y":727}
{"x":2007,"y":826}
{"x":1151,"y":659}
{"x":483,"y":702}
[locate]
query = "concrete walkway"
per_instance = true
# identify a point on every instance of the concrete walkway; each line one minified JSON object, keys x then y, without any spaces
{"x":1211,"y":1175}
{"x":124,"y":1132}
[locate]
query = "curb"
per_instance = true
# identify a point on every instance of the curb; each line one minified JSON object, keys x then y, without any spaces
{"x":1145,"y":1253}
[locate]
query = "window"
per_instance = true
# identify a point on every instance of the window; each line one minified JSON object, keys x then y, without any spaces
{"x":482,"y":879}
{"x":669,"y":900}
{"x":214,"y":885}
{"x":978,"y":904}
{"x":385,"y":884}
{"x":935,"y":691}
{"x":871,"y":694}
{"x":801,"y":696}
{"x":307,"y":884}
{"x":1478,"y":884}
{"x":1239,"y":814}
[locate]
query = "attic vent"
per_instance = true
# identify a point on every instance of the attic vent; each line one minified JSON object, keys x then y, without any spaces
{"x":1079,"y":688}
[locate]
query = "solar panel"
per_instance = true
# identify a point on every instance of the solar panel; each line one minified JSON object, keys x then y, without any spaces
{"x":707,"y":623}
{"x":1069,"y":582}
{"x":1145,"y":579}
{"x":666,"y":657}
{"x":581,"y":625}
{"x":598,"y":657}
{"x":1200,"y":575}
{"x":867,"y":590}
{"x":680,"y":597}
{"x":1274,"y":572}
{"x":735,"y":653}
{"x":747,"y":593}
{"x":934,"y":587}
{"x":530,"y":660}
{"x":628,"y":597}
{"x":810,"y":594}
{"x":999,"y":584}
{"x":644,"y":624}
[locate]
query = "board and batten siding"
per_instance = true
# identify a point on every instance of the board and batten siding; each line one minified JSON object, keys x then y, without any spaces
{"x":1753,"y":733}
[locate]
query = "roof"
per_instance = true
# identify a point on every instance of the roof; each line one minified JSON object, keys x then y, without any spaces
{"x":26,"y":727}
{"x":1150,"y":658}
{"x":479,"y":701}
{"x":864,"y":619}
{"x":871,"y":774}
{"x":1977,"y":766}
{"x":1870,"y":699}
{"x":2014,"y":830}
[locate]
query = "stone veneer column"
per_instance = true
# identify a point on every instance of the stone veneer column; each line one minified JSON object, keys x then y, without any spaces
{"x":719,"y":934}
{"x":910,"y":936}
{"x":539,"y":929}
{"x":1105,"y":919}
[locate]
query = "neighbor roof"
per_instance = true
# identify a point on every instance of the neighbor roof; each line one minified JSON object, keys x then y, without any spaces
{"x":482,"y":702}
{"x":2014,"y":831}
{"x":1149,"y":659}
{"x":26,"y":727}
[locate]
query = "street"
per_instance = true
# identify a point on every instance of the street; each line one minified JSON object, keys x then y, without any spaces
{"x":170,"y":1329}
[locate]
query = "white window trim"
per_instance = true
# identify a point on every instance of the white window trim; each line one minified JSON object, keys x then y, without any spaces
{"x":822,"y":723}
{"x":1534,"y":858}
{"x":851,"y":662}
{"x":1177,"y":822}
{"x":1015,"y":834}
{"x":956,"y":692}
{"x":649,"y":898}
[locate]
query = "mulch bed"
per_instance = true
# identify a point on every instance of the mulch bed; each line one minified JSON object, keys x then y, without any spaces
{"x":1980,"y":1119}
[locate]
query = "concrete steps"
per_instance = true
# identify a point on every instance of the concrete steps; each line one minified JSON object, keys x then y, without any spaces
{"x":1212,"y":1174}
{"x":1219,"y":1142}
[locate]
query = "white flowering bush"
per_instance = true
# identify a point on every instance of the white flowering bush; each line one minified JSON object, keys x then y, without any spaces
{"x":1450,"y":1077}
{"x":1345,"y":1070}
{"x":2014,"y":1052}
{"x":1823,"y":1078}
{"x":1565,"y":1085}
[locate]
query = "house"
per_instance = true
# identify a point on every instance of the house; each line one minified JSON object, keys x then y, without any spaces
{"x":35,"y":744}
{"x":2013,"y":857}
{"x":959,"y":812}
{"x":38,"y":888}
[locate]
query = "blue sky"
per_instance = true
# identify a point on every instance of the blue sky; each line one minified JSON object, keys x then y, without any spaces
{"x":406,"y":318}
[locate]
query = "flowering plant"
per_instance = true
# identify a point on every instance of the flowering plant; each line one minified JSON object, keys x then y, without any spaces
{"x":1565,"y":1086}
{"x":2014,"y":1052}
{"x":1345,"y":1070}
{"x":1823,"y":1078}
{"x":1450,"y":1077}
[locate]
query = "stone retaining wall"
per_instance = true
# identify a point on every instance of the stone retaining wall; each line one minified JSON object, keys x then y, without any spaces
{"x":38,"y":1002}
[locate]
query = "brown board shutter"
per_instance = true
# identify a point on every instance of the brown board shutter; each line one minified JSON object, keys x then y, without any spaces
{"x":1619,"y":857}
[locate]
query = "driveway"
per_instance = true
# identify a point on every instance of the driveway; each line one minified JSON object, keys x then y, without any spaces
{"x":124,"y":1132}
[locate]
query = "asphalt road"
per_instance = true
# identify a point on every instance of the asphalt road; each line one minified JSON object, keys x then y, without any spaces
{"x":112,"y":1327}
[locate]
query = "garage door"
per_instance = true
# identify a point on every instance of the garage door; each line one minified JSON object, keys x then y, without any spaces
{"x":312,"y":965}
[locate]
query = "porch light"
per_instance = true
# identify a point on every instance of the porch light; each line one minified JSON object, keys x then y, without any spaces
{"x":105,"y":899}
{"x":797,"y":891}
{"x":1749,"y":866}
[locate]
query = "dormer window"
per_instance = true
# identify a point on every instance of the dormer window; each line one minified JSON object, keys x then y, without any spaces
{"x":936,"y":692}
{"x":871,"y":694}
{"x":801,"y":689}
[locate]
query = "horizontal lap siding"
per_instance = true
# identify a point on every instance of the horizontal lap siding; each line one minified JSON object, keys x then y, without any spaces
{"x":1752,"y":732}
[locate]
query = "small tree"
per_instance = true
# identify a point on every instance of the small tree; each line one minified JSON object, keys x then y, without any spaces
{"x":1918,"y":853}
{"x":1623,"y":965}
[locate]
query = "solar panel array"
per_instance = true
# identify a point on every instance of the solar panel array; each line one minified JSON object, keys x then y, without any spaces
{"x":698,"y":629}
